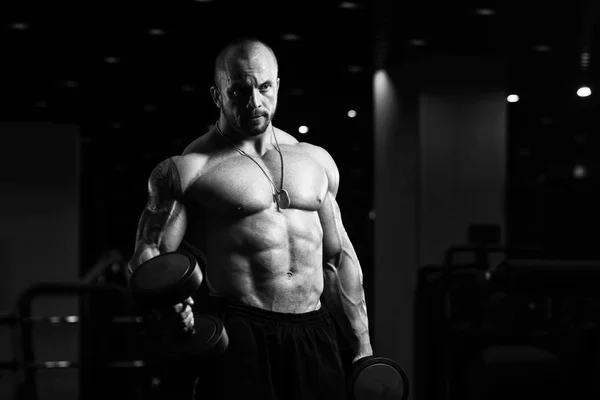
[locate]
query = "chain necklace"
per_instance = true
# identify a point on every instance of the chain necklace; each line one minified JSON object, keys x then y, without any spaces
{"x":281,"y":196}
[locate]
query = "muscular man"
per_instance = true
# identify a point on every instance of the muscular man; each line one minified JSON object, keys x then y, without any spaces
{"x":260,"y":207}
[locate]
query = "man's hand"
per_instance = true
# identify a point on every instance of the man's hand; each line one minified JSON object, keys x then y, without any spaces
{"x":178,"y":320}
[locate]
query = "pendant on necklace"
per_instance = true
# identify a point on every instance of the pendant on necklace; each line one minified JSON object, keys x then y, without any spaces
{"x":283,"y":199}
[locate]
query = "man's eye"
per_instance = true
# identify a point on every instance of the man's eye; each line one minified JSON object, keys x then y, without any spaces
{"x":266,"y":86}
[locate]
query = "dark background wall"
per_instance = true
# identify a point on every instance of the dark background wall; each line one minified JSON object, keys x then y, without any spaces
{"x":40,"y":235}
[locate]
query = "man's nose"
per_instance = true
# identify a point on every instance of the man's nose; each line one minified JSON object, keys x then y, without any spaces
{"x":254,"y":101}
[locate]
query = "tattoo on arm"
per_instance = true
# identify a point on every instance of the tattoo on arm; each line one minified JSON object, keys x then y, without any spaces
{"x":162,"y":223}
{"x":164,"y":186}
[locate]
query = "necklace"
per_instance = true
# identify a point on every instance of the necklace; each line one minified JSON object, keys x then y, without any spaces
{"x":281,"y":196}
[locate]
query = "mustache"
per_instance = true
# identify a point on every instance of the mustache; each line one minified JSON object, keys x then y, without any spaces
{"x":257,"y":114}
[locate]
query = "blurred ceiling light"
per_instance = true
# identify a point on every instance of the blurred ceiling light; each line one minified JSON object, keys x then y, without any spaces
{"x":584,"y":60}
{"x":111,"y":60}
{"x":485,"y":12}
{"x":303,"y":129}
{"x":417,"y":42}
{"x":349,"y":5}
{"x":355,"y":69}
{"x":542,"y":48}
{"x":512,"y":98}
{"x":292,"y":37}
{"x":584,"y":91}
{"x":156,"y":32}
{"x":579,"y":172}
{"x":20,"y":26}
{"x":351,"y":113}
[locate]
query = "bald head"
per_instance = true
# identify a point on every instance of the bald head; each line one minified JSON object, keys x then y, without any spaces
{"x":244,"y":50}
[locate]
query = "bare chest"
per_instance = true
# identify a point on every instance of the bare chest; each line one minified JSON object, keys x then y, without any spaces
{"x":238,"y":185}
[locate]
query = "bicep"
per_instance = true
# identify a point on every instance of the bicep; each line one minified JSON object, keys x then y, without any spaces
{"x":163,"y":228}
{"x":163,"y":221}
{"x":333,"y":229}
{"x":341,"y":269}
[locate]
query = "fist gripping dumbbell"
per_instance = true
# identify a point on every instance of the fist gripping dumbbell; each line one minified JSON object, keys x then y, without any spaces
{"x":169,"y":279}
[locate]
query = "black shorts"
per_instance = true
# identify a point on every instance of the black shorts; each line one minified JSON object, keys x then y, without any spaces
{"x":273,"y":356}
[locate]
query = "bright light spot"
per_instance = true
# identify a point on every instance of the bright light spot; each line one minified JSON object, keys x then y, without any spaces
{"x":417,"y":42}
{"x":156,"y":32}
{"x":512,"y":98}
{"x":485,"y":12}
{"x":372,"y":215}
{"x":111,"y":60}
{"x":584,"y":91}
{"x":72,"y":319}
{"x":292,"y":37}
{"x":579,"y":172}
{"x":303,"y":129}
{"x":351,"y":113}
{"x":19,"y":26}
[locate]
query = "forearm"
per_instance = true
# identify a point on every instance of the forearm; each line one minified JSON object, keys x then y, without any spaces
{"x":345,"y":298}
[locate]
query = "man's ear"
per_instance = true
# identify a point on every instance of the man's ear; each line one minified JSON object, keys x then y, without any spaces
{"x":216,"y":96}
{"x":277,"y":90}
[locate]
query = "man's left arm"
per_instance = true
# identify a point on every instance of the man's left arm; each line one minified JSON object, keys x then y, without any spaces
{"x":343,"y":292}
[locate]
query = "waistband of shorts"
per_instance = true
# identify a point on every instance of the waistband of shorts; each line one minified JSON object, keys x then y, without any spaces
{"x":262,"y":315}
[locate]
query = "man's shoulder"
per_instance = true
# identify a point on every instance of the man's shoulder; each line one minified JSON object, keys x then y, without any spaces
{"x":188,"y":165}
{"x":320,"y":155}
{"x":324,"y":159}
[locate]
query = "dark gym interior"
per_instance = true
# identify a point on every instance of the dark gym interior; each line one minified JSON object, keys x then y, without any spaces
{"x":465,"y":136}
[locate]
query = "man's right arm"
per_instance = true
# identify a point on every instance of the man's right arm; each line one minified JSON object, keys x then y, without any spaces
{"x":162,"y":225}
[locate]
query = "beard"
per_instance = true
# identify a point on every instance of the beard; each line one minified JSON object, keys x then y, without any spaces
{"x":250,"y":126}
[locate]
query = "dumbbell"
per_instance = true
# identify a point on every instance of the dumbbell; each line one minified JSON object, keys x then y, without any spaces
{"x":376,"y":378}
{"x":166,"y":280}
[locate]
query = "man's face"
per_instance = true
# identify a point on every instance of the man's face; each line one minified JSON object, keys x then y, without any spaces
{"x":248,"y":90}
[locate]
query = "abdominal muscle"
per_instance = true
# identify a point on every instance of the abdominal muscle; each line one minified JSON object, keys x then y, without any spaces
{"x":271,"y":260}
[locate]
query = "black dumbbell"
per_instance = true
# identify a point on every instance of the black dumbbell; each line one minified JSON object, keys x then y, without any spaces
{"x":377,"y":378}
{"x":169,"y":279}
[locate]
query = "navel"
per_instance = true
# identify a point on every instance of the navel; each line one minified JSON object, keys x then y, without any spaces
{"x":289,"y":274}
{"x":319,"y":199}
